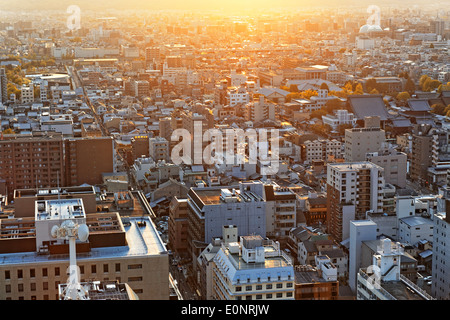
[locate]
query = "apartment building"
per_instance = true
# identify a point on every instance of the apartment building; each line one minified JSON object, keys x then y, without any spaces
{"x":253,"y":269}
{"x":321,"y":149}
{"x":178,"y":225}
{"x":87,"y":158}
{"x":31,"y":161}
{"x":360,"y":141}
{"x":394,"y":164}
{"x":317,"y":283}
{"x":139,"y":147}
{"x":260,"y":110}
{"x":441,"y":255}
{"x":27,"y":94}
{"x":340,"y":117}
{"x":35,"y":264}
{"x":353,"y":189}
{"x":424,"y":152}
{"x":237,"y":96}
{"x":159,"y":149}
{"x":414,"y":229}
{"x":3,"y":86}
{"x":210,"y":208}
{"x":281,"y":210}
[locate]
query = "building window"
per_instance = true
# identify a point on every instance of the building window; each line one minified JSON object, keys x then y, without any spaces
{"x":248,"y":288}
{"x":32,"y":273}
{"x":279,"y":295}
{"x":238,"y":289}
{"x":131,"y":279}
{"x":269,"y":296}
{"x":7,"y":275}
{"x":134,"y":266}
{"x":57,"y":271}
{"x":117,"y":267}
{"x":248,"y":297}
{"x":20,"y":287}
{"x":8,"y":288}
{"x":279,"y":285}
{"x":33,"y":286}
{"x":105,"y":268}
{"x":19,"y":274}
{"x":44,"y":272}
{"x":259,"y":287}
{"x":93,"y":268}
{"x":269,"y":286}
{"x":45,"y":285}
{"x":258,"y":296}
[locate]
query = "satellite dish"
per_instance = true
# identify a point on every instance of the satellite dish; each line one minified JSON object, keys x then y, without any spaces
{"x":83,"y":232}
{"x":54,"y":231}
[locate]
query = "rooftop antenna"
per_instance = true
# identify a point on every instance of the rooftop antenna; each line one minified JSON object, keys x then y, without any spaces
{"x":71,"y":230}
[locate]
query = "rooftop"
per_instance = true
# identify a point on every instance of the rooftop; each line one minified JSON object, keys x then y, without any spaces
{"x":142,"y":239}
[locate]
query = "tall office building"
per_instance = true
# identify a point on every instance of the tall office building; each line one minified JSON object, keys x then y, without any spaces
{"x":353,"y":189}
{"x":30,"y":162}
{"x":360,"y":231}
{"x":3,"y":86}
{"x":424,"y":153}
{"x":87,"y":158}
{"x":440,"y":285}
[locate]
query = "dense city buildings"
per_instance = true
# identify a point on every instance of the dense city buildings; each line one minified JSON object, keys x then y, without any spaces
{"x":241,"y":153}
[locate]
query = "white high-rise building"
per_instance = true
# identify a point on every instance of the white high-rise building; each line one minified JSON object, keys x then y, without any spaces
{"x":253,"y":269}
{"x":440,"y":285}
{"x":360,"y":231}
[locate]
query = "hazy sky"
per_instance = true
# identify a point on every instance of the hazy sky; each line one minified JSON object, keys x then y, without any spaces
{"x":201,"y":4}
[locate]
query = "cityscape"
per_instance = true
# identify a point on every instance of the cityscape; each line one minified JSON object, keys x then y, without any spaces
{"x":238,"y":151}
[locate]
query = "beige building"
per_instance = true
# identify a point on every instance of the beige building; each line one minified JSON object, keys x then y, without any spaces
{"x":394,"y":164}
{"x":126,"y":250}
{"x":359,"y":141}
